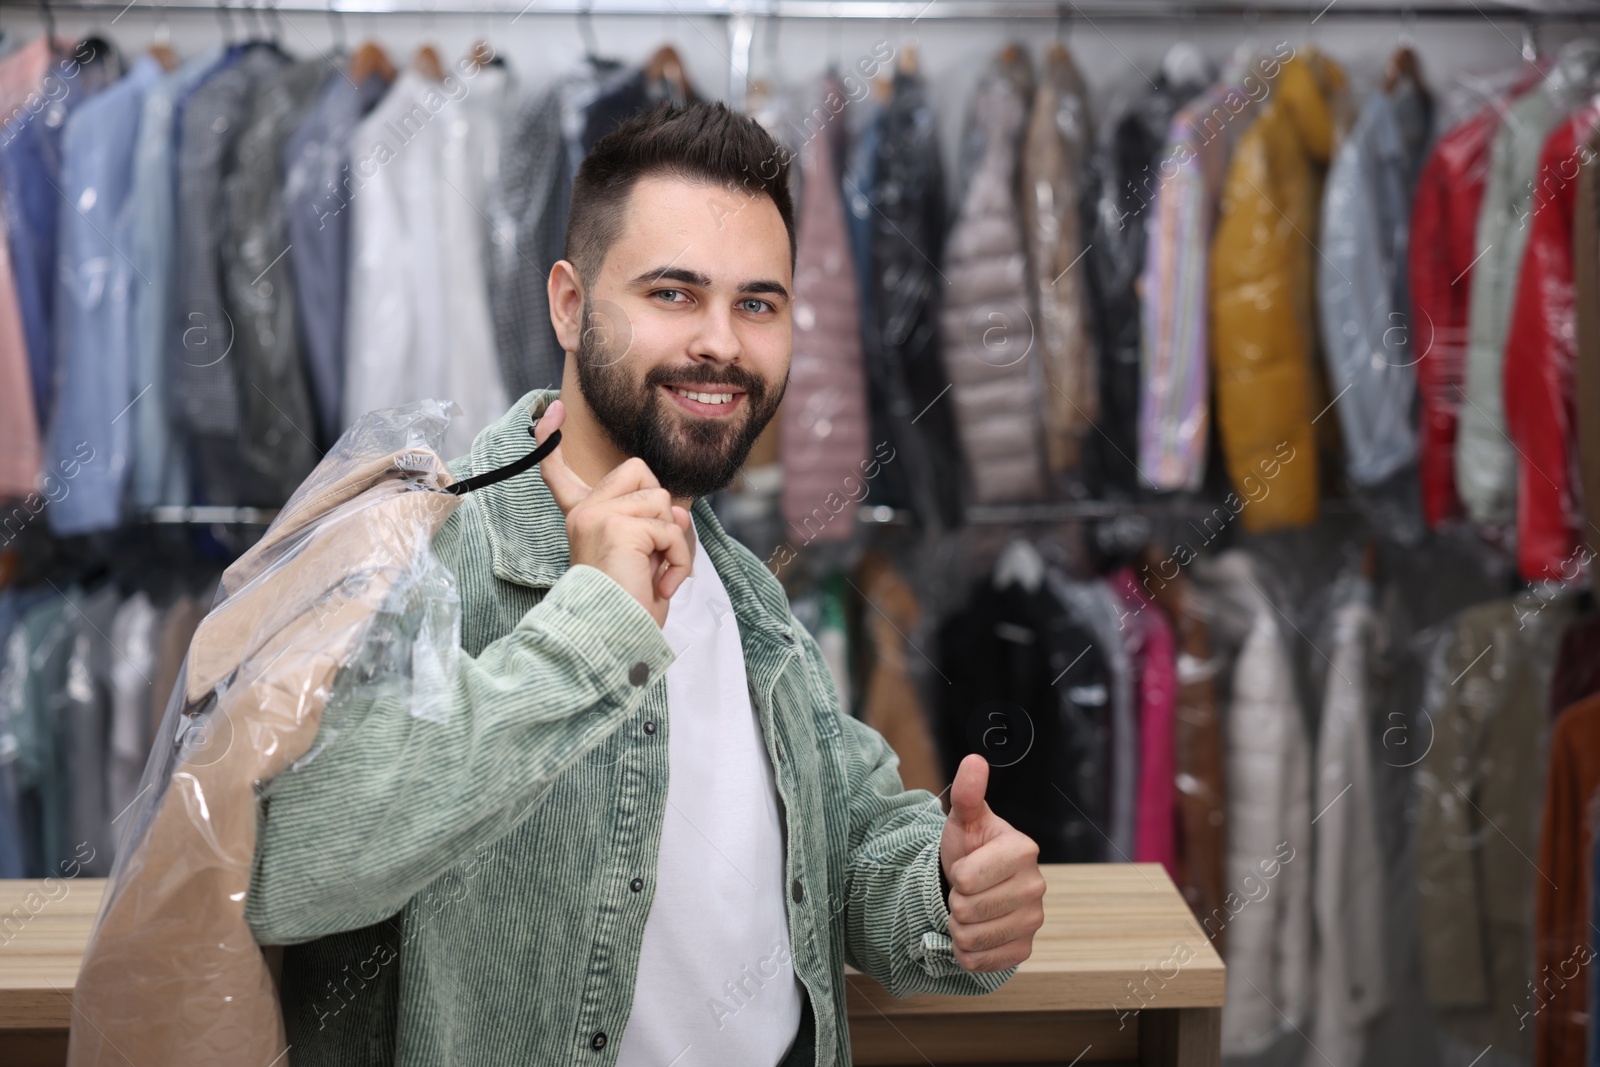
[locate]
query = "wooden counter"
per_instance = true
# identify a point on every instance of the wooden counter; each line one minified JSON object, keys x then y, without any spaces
{"x":1121,"y":973}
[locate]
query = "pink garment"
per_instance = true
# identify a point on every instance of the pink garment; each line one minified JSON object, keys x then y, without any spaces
{"x":1155,"y":820}
{"x":22,"y":75}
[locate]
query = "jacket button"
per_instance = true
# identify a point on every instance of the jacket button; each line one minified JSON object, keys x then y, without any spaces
{"x":638,"y":675}
{"x":799,"y":891}
{"x":598,"y":1041}
{"x":636,"y":885}
{"x":649,"y":726}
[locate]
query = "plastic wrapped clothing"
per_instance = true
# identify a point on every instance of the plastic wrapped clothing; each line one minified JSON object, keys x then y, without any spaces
{"x":1029,"y":690}
{"x":1055,"y":155}
{"x":1540,"y":362}
{"x":990,"y":339}
{"x":1478,"y":796}
{"x":1564,"y":956}
{"x":1586,"y":357}
{"x":345,"y":573}
{"x":1362,"y":302}
{"x":1442,"y":255}
{"x":1348,"y":895}
{"x":1098,"y":608}
{"x":823,"y":428}
{"x":1269,"y":384}
{"x":1175,"y":323}
{"x":1202,"y":839}
{"x":1155,"y":812}
{"x":276,"y":410}
{"x":1267,"y":912}
{"x":890,"y":702}
{"x":1485,"y":458}
{"x":906,"y":379}
{"x":1122,"y":182}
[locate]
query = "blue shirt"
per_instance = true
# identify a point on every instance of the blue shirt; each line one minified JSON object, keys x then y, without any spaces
{"x":94,"y":281}
{"x":30,"y":175}
{"x":316,"y":192}
{"x":158,"y":472}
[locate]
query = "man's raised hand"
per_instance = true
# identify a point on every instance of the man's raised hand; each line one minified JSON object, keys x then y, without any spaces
{"x":626,"y":526}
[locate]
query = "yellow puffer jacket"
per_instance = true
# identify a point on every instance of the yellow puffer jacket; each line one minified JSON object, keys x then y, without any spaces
{"x":1268,"y":375}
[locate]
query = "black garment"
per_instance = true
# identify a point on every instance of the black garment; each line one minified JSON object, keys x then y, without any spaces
{"x":906,"y":381}
{"x":1118,"y":193}
{"x":1030,"y":690}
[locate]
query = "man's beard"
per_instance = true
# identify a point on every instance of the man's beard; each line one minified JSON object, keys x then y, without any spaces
{"x":690,"y":457}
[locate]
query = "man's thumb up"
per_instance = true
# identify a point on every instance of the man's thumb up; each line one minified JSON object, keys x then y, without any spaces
{"x":996,"y":887}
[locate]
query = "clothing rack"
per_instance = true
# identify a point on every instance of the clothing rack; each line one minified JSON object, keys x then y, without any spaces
{"x":914,"y":10}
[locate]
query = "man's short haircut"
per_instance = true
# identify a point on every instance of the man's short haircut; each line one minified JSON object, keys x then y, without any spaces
{"x":699,"y":142}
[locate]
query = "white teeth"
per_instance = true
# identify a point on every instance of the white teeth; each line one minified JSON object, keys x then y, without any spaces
{"x":704,"y":398}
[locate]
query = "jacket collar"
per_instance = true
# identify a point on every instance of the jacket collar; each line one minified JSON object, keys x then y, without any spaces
{"x":527,"y":530}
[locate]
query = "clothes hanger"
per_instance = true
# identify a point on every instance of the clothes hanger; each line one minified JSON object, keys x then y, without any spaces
{"x":510,"y":470}
{"x":666,"y":66}
{"x":341,"y":43}
{"x":591,"y":44}
{"x":371,"y":60}
{"x":427,"y":63}
{"x":161,"y":43}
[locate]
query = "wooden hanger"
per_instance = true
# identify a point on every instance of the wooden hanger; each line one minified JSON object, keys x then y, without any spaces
{"x":1403,"y":64}
{"x":426,"y":63}
{"x":907,"y":64}
{"x":163,"y":54}
{"x":666,"y":66}
{"x":481,"y":55}
{"x":370,"y":59}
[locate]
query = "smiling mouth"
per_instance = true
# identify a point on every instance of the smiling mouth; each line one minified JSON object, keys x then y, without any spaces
{"x":708,"y":401}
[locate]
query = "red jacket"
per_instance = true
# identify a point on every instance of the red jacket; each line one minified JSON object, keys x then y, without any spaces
{"x":1541,"y":347}
{"x":1444,"y":221}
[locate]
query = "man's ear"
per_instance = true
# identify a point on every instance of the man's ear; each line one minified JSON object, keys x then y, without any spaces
{"x":566,"y":304}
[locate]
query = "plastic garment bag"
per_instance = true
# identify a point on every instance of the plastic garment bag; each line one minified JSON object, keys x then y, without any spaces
{"x":1478,"y":796}
{"x":1361,"y":283}
{"x":1540,"y":365}
{"x":1055,"y":151}
{"x":341,"y":596}
{"x":1270,"y":390}
{"x":986,"y":322}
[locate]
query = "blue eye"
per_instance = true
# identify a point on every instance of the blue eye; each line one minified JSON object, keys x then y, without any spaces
{"x":759,"y":304}
{"x":675,"y":292}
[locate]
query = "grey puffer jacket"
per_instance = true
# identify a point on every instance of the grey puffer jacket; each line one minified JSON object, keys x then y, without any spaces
{"x":988,"y":323}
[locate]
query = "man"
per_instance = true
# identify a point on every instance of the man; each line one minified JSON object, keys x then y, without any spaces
{"x":641,"y":831}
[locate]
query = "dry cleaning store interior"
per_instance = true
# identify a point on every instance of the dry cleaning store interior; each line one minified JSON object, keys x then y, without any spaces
{"x":1207,"y":393}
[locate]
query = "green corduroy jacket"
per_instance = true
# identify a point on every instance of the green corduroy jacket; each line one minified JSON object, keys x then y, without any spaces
{"x":458,"y":890}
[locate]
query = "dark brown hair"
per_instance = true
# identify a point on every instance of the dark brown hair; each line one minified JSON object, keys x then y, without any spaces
{"x":698,"y":142}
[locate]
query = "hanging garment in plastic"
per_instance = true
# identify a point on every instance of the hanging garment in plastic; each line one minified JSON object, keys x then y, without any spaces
{"x":823,"y":420}
{"x":906,"y":380}
{"x":1269,"y":382}
{"x":1564,"y":958}
{"x":1155,"y":810}
{"x":1348,"y":894}
{"x":1485,"y":457}
{"x":1362,"y":302}
{"x":1478,"y":792}
{"x":1586,"y":358}
{"x":1267,"y":911}
{"x":1054,"y":154}
{"x":1442,"y":254}
{"x":1175,"y":381}
{"x":1540,"y":358}
{"x":990,"y":340}
{"x":1123,"y":180}
{"x":1202,"y":838}
{"x":172,"y":974}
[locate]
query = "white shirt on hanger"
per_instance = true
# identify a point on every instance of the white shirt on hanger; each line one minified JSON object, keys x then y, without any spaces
{"x":716,"y":984}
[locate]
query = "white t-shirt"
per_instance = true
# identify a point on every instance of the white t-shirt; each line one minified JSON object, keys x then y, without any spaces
{"x":716,"y":981}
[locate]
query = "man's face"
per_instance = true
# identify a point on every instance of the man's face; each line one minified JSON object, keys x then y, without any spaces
{"x":684,"y":352}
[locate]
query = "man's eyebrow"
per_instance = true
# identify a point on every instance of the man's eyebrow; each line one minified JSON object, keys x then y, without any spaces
{"x":670,"y":273}
{"x":776,"y":288}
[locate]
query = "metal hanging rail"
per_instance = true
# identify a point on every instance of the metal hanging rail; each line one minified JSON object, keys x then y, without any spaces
{"x":909,"y":10}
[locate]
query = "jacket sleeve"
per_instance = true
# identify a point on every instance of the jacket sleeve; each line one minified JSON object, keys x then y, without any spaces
{"x":1439,"y":374}
{"x":895,"y":914}
{"x":395,"y":800}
